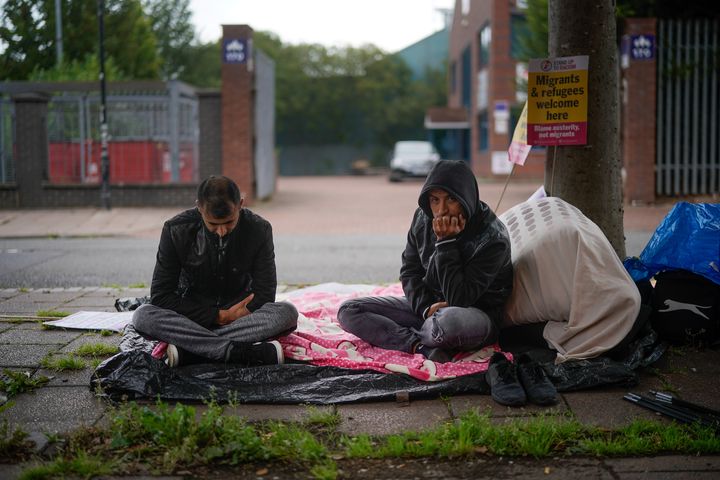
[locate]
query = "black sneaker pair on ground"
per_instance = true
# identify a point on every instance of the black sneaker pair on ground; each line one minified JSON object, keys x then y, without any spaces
{"x":244,"y":354}
{"x":513,"y":384}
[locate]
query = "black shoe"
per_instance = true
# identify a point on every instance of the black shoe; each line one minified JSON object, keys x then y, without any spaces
{"x":177,"y":357}
{"x":538,"y":387}
{"x":505,"y":387}
{"x":437,"y":355}
{"x":255,"y":354}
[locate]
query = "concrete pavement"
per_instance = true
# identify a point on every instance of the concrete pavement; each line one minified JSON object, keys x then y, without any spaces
{"x":336,"y":206}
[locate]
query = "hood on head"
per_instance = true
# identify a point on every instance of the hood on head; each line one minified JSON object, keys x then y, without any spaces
{"x":456,"y":178}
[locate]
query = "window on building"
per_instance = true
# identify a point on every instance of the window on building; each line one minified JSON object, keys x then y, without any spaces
{"x":518,"y":30}
{"x":466,"y":77}
{"x":484,"y":40}
{"x":483,"y":131}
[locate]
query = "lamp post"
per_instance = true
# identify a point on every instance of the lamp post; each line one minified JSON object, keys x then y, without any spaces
{"x":105,"y":160}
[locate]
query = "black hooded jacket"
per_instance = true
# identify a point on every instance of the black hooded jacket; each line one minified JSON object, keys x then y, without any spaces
{"x":195,"y":277}
{"x":473,"y":268}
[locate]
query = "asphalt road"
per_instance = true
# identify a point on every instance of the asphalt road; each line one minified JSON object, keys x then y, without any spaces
{"x":300,"y":259}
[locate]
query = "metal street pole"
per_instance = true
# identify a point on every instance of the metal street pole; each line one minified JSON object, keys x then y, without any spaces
{"x":58,"y":33}
{"x":105,"y":160}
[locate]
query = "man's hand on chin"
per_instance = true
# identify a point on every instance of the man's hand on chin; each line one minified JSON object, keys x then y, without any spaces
{"x":239,"y":310}
{"x":447,"y":226}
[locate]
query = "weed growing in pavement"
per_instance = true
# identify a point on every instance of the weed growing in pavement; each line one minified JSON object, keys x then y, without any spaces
{"x":79,"y":465}
{"x":52,"y":313}
{"x":316,"y":417}
{"x":115,"y":286}
{"x":61,"y":364}
{"x":96,"y":350}
{"x":23,"y":289}
{"x":137,"y":285}
{"x":165,"y":440}
{"x":12,"y":382}
{"x":14,"y":444}
{"x":15,"y":320}
{"x":106,"y":333}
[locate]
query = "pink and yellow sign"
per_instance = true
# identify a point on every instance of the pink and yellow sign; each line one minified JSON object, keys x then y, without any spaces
{"x":557,"y":101}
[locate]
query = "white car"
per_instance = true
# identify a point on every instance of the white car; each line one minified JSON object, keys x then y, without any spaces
{"x":412,"y":159}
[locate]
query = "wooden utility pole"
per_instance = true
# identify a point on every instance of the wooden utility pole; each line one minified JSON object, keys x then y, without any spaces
{"x":589,"y":176}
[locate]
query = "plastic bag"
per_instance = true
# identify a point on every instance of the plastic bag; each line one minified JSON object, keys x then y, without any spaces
{"x":688,"y":238}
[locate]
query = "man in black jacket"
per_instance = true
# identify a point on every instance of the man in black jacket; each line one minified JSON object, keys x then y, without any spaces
{"x":213,"y":288}
{"x":456,"y":274}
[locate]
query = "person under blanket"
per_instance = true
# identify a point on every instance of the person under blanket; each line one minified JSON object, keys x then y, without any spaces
{"x":212,"y":296}
{"x":456,"y":274}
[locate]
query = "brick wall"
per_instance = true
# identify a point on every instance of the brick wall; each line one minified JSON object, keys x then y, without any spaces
{"x":638,"y":119}
{"x":237,"y":115}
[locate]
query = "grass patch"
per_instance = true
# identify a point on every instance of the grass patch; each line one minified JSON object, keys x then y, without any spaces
{"x":96,"y":350}
{"x":137,"y":285}
{"x":62,"y":364}
{"x":165,"y":440}
{"x":13,"y":383}
{"x":115,"y":286}
{"x":106,"y":333}
{"x":52,"y":313}
{"x":23,"y":289}
{"x":80,"y":465}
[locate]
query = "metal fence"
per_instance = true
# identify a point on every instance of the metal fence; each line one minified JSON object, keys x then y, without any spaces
{"x":688,"y":105}
{"x":7,"y":140}
{"x":153,"y":136}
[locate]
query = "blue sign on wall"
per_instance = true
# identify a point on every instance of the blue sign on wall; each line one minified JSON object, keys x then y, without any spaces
{"x":642,"y":47}
{"x":235,"y":50}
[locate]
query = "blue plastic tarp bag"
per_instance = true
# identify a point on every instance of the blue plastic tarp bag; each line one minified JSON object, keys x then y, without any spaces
{"x":688,"y":238}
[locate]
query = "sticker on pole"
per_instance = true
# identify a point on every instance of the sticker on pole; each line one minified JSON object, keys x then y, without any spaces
{"x":557,"y":101}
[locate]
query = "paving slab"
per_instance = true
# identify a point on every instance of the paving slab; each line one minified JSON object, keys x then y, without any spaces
{"x":54,"y":409}
{"x":34,"y":337}
{"x":666,"y":463}
{"x":89,"y":303}
{"x":20,"y":355}
{"x":68,"y":378}
{"x":90,"y":337}
{"x":288,"y":413}
{"x":50,"y":297}
{"x":388,"y":418}
{"x":461,"y":404}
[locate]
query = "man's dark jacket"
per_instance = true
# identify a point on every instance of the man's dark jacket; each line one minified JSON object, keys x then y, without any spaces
{"x":473,"y":268}
{"x":195,"y":277}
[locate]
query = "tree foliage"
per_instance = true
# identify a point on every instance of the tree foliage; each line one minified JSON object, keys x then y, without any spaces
{"x":171,"y":22}
{"x":27,"y":37}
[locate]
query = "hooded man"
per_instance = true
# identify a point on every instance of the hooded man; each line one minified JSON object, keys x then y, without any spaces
{"x":456,"y":274}
{"x":213,"y":288}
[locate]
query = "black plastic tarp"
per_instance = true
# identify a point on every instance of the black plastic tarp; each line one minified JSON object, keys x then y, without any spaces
{"x":136,"y":374}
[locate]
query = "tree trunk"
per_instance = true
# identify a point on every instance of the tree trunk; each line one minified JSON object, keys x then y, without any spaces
{"x":589,"y":176}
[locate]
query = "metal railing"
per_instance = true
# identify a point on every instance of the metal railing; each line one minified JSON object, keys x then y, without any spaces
{"x":7,"y":140}
{"x":688,"y":105}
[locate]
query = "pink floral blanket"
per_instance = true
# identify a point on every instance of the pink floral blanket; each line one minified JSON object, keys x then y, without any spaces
{"x":320,"y":340}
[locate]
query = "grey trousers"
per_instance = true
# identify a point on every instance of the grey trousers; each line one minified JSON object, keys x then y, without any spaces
{"x":390,"y":322}
{"x":270,"y":320}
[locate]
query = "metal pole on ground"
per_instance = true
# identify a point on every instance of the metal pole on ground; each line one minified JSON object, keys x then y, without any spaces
{"x":105,"y":165}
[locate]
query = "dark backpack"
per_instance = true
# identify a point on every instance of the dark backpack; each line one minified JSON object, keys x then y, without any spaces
{"x":686,"y":308}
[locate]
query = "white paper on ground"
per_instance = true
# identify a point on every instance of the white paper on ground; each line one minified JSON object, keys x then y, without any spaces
{"x":94,"y":321}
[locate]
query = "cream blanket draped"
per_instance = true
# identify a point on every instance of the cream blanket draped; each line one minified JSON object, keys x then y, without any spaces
{"x":567,"y":273}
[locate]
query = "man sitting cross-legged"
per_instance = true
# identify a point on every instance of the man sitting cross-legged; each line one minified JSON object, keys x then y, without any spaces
{"x":456,"y":274}
{"x":213,"y":288}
